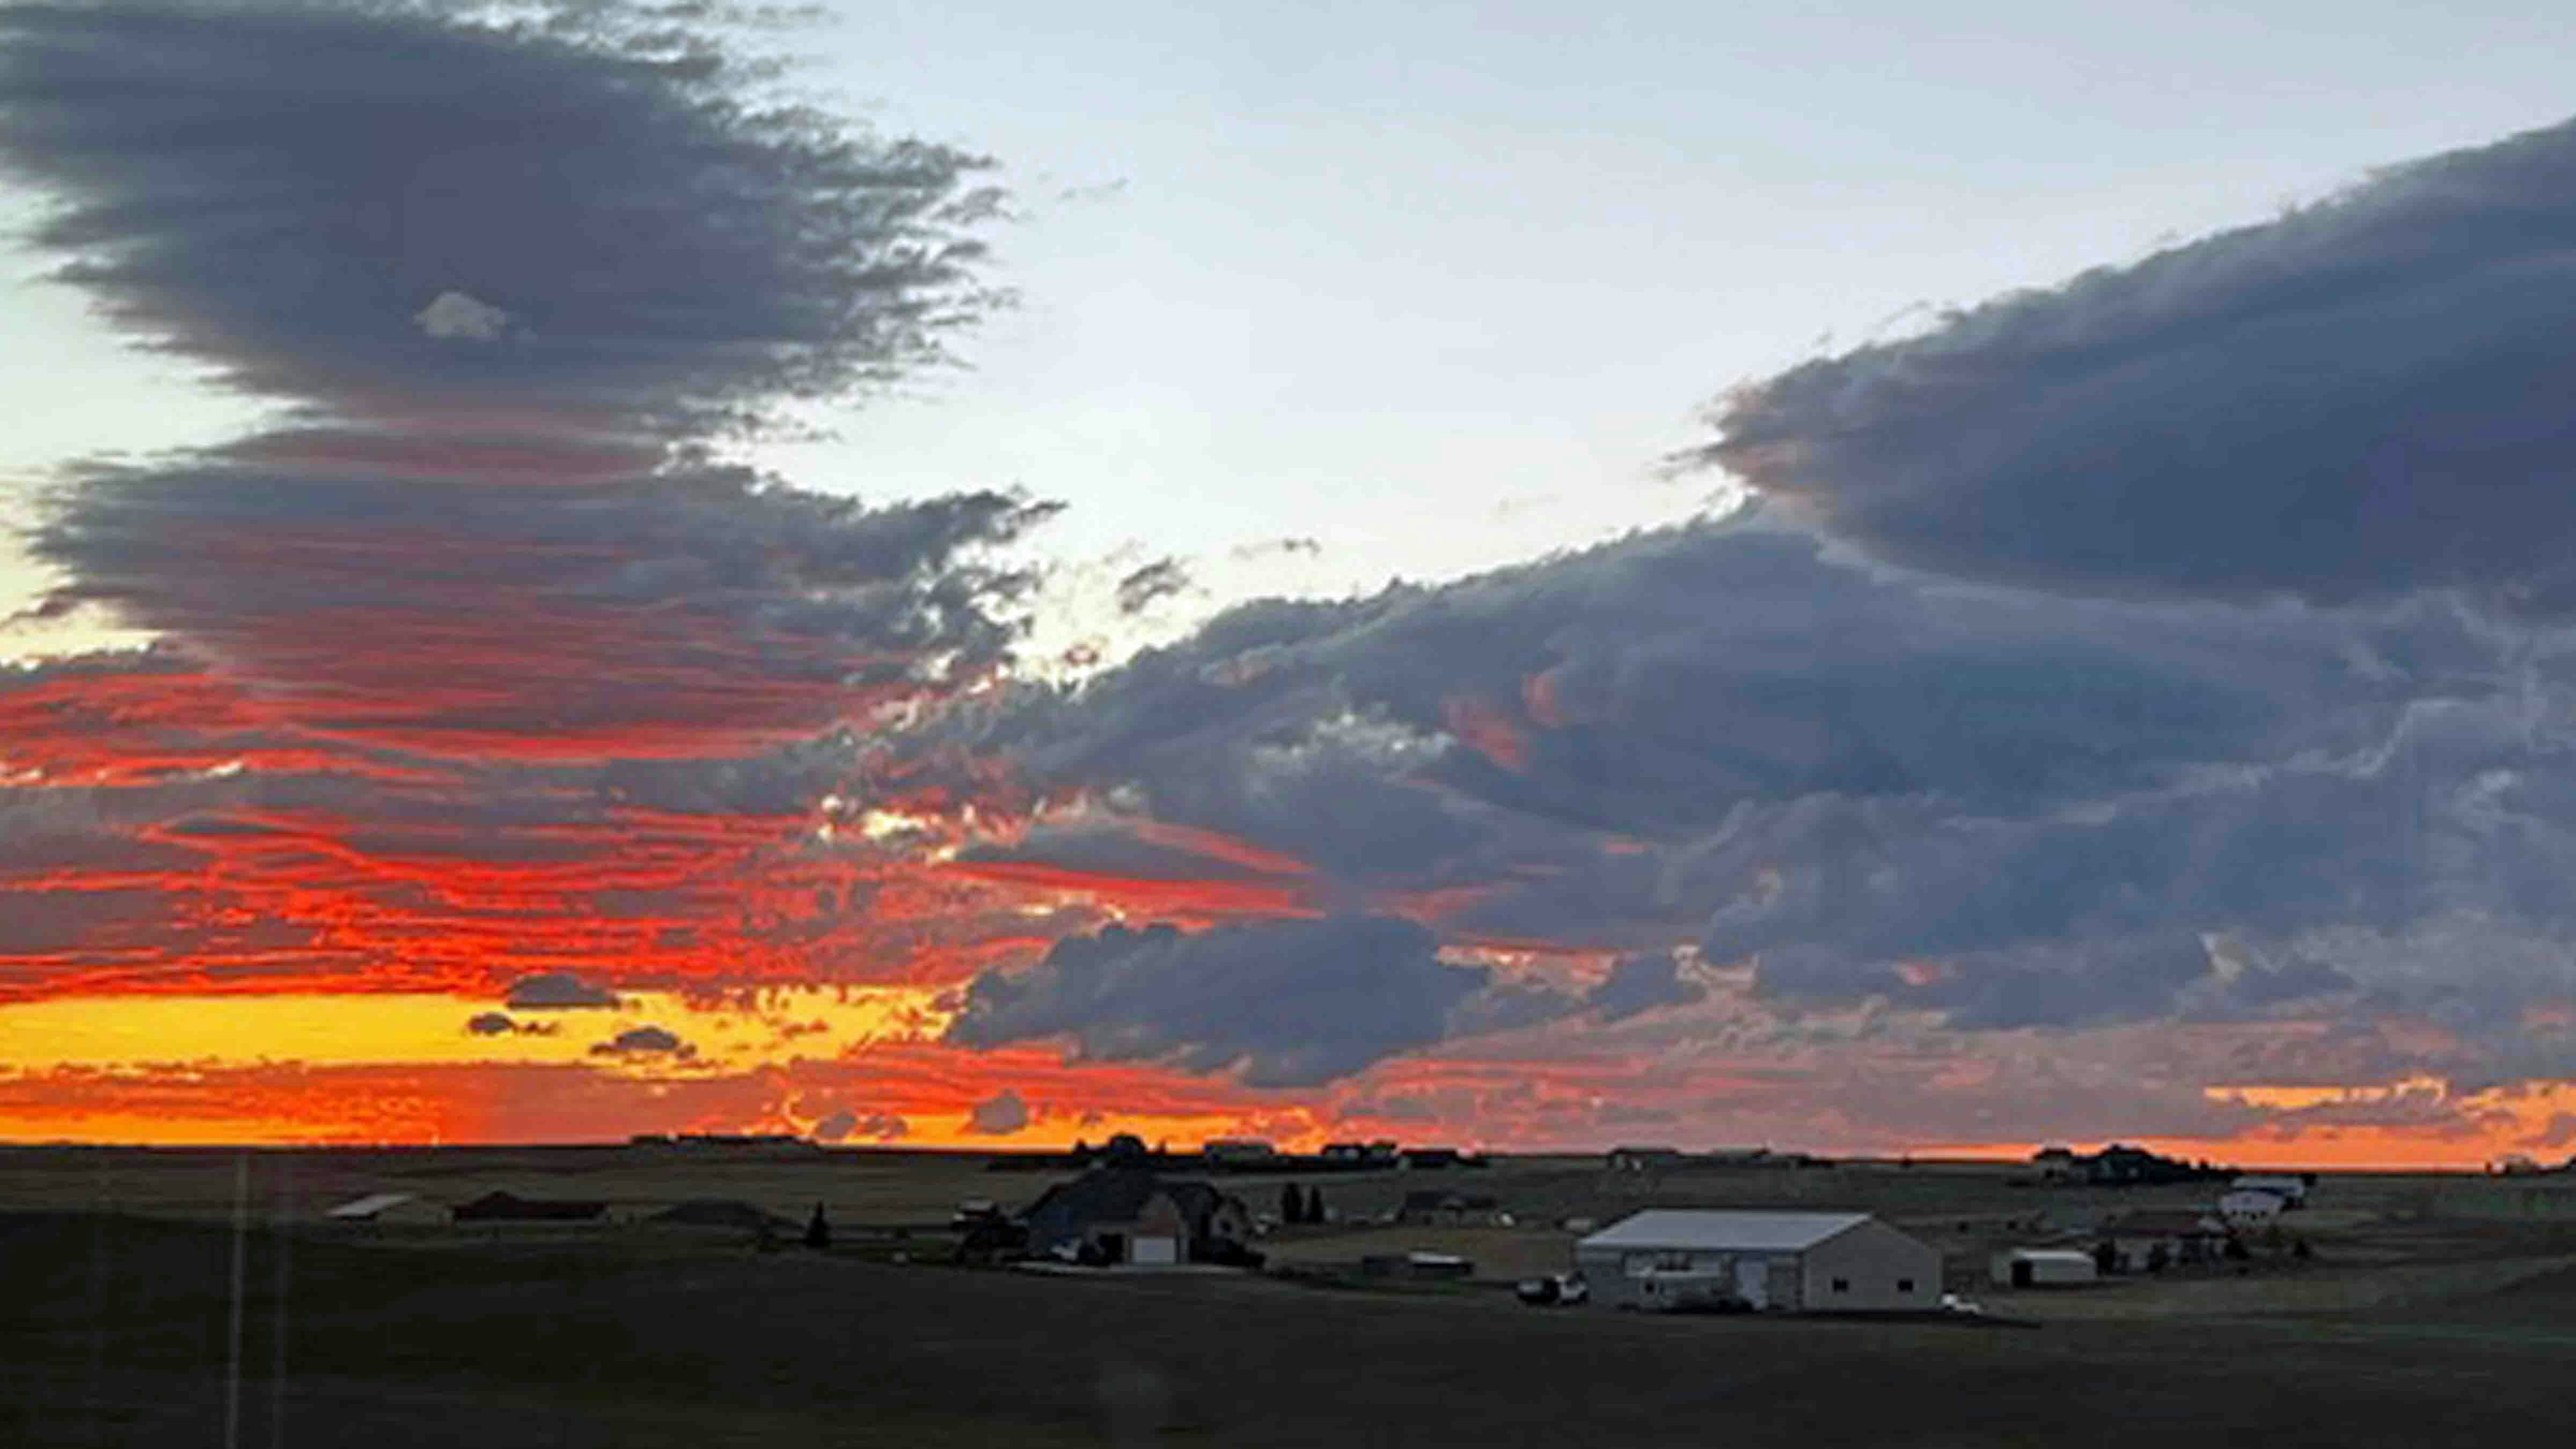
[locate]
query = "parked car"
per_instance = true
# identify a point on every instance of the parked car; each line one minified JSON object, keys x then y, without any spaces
{"x":1953,"y":1303}
{"x":1556,"y":1290}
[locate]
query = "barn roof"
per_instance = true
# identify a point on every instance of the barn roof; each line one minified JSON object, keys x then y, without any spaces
{"x":1759,"y":1232}
{"x":370,"y":1205}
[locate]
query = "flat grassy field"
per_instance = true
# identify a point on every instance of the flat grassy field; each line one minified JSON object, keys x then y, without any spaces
{"x":117,"y":1267}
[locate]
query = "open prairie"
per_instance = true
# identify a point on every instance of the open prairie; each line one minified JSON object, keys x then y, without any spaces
{"x":120,"y":1265}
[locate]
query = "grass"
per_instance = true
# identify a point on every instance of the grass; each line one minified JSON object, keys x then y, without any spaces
{"x":119,"y":1329}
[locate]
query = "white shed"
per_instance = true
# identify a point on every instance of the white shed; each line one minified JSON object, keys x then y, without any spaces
{"x":1816,"y":1262}
{"x":2250,"y":1206}
{"x":2041,"y":1267}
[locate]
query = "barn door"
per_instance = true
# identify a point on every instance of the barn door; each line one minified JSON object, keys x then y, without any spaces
{"x":1753,"y":1281}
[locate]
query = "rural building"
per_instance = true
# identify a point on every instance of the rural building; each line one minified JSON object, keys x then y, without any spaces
{"x":2056,"y":1164}
{"x":1238,"y":1150}
{"x":2041,"y":1267}
{"x":1435,"y":1157}
{"x":1120,"y":1215}
{"x":1362,"y":1154}
{"x":1437,"y":1206}
{"x":502,"y":1207}
{"x":1798,"y":1261}
{"x":2250,"y":1206}
{"x":2185,"y":1236}
{"x":2290,"y":1187}
{"x":1643,"y":1159}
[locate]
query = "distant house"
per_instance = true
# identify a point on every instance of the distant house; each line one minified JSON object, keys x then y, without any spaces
{"x":2185,"y":1236}
{"x":502,"y":1207}
{"x":1436,"y":1206}
{"x":1643,"y":1159}
{"x":2120,"y":1165}
{"x":1235,"y":1151}
{"x":1812,"y":1261}
{"x":1122,"y":1215}
{"x":1360,"y":1154}
{"x":2055,"y":1164}
{"x":1738,"y":1156}
{"x":2290,"y":1187}
{"x":1432,"y":1157}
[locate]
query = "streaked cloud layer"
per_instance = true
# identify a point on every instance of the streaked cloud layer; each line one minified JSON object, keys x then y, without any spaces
{"x":2135,"y":707}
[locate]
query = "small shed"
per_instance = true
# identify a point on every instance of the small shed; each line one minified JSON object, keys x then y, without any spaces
{"x":1810,"y":1261}
{"x":2250,"y":1206}
{"x":2041,"y":1268}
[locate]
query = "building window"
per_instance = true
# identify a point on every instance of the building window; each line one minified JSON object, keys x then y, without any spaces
{"x":1904,"y":1285}
{"x":1842,"y":1285}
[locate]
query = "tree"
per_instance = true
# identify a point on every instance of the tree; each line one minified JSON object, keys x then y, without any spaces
{"x":2299,"y":1249}
{"x":818,"y":1233}
{"x":2236,"y":1250}
{"x":1292,"y":1204}
{"x":2158,"y":1259}
{"x":2106,"y":1257}
{"x":1314,"y":1204}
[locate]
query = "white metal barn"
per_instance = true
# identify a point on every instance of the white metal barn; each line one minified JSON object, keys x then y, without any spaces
{"x":1812,"y":1262}
{"x":2041,"y":1267}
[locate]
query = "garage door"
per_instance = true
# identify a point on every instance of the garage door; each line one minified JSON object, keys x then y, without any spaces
{"x":1154,"y":1250}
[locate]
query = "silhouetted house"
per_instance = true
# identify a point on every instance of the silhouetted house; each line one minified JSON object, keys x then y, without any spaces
{"x":1438,"y":1206}
{"x":729,"y":1213}
{"x":1419,"y":1158}
{"x":2185,"y":1235}
{"x":502,"y":1207}
{"x":1359,"y":1154}
{"x":2056,"y":1164}
{"x":1238,"y":1151}
{"x":1737,"y":1156}
{"x":2120,"y":1165}
{"x":1120,"y":1215}
{"x":1643,"y":1159}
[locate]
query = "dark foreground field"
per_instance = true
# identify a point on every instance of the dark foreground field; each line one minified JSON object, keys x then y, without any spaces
{"x":119,"y":1330}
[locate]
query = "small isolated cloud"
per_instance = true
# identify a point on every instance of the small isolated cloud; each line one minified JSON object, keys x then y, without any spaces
{"x":557,"y":991}
{"x":836,"y":1126}
{"x":883,"y":1127}
{"x":644,"y":1041}
{"x":999,"y":1115}
{"x":496,"y":1023}
{"x":1157,"y":580}
{"x":457,"y":316}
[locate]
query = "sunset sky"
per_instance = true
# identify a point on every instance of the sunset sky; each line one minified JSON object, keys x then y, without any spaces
{"x":1860,"y":583}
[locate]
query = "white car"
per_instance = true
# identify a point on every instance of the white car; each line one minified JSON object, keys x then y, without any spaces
{"x":1556,"y":1290}
{"x":1953,"y":1303}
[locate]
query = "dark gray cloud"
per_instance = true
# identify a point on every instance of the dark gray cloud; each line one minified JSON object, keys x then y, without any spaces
{"x":999,"y":1115}
{"x":1284,"y":1003}
{"x":2365,"y":396}
{"x":1279,"y":1003}
{"x":1160,"y":579}
{"x":558,"y":991}
{"x":281,"y":191}
{"x":2013,"y":808}
{"x":644,"y":1041}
